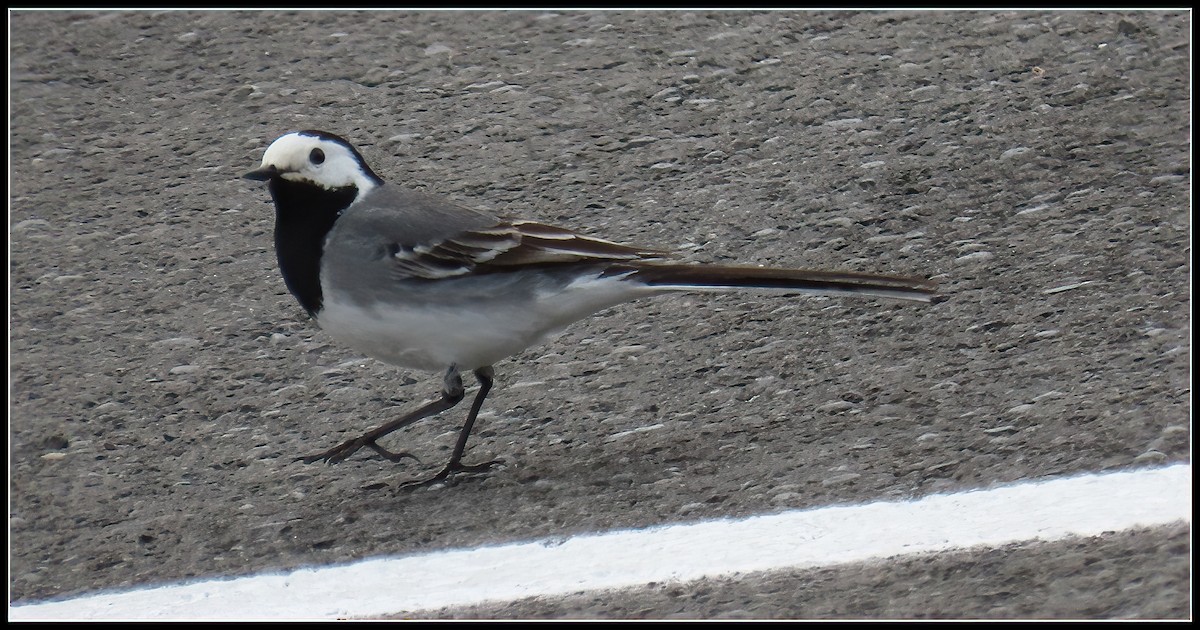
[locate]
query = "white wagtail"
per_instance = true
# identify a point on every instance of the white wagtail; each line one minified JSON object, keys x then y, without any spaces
{"x":420,"y":282}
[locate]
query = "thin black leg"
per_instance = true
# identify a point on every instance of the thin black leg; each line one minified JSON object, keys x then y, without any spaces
{"x":486,"y":376}
{"x":452,"y":394}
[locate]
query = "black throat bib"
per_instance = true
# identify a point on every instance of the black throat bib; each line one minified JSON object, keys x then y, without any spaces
{"x":304,"y":214}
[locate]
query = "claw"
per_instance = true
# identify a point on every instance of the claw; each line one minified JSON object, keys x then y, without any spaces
{"x":342,"y":451}
{"x":451,"y":469}
{"x":392,"y":456}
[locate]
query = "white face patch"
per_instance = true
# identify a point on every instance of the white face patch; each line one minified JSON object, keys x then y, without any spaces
{"x":328,"y":164}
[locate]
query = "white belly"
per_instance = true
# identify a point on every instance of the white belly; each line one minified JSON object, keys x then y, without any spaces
{"x":470,"y":330}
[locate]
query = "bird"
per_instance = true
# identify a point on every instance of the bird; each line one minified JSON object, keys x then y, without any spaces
{"x":421,"y":282}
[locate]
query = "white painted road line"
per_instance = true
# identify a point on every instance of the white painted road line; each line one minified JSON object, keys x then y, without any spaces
{"x":1051,"y":510}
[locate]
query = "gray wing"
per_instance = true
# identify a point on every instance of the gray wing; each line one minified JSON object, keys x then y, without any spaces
{"x":421,"y":236}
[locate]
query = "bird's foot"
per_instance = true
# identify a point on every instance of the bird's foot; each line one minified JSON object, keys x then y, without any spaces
{"x":350,"y":447}
{"x":450,"y":471}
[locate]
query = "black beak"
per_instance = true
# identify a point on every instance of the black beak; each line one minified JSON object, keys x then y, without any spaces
{"x":263,"y":174}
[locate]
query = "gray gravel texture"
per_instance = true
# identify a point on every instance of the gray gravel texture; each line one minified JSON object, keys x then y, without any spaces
{"x":162,"y":380}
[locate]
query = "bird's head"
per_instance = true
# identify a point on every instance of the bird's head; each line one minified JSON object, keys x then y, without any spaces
{"x":318,"y":158}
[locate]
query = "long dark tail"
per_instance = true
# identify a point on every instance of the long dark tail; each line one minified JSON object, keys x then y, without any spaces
{"x":808,"y":280}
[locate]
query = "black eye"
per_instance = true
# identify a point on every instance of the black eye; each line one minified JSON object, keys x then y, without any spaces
{"x":317,"y":156}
